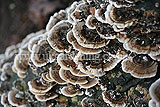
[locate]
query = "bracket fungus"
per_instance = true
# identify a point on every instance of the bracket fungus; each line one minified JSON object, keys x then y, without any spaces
{"x":87,"y":37}
{"x":55,"y":74}
{"x":42,"y":53}
{"x":4,"y":100}
{"x":108,"y":50}
{"x":57,"y":36}
{"x":144,"y":44}
{"x":36,"y":86}
{"x":67,"y":76}
{"x":115,"y":99}
{"x":46,"y":96}
{"x":61,"y":15}
{"x":72,"y":40}
{"x":71,"y":91}
{"x":16,"y":100}
{"x":21,"y":62}
{"x":96,"y":64}
{"x":6,"y":71}
{"x":140,"y":66}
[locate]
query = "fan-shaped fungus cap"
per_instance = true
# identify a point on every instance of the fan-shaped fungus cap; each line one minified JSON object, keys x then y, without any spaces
{"x":4,"y":100}
{"x":21,"y":74}
{"x":88,"y":37}
{"x":96,"y":64}
{"x":21,"y":61}
{"x":72,"y":40}
{"x":54,"y":74}
{"x":67,"y":76}
{"x":16,"y":101}
{"x":99,"y":14}
{"x":154,"y":92}
{"x":18,"y":65}
{"x":71,"y":91}
{"x":66,"y":61}
{"x":6,"y":66}
{"x":37,"y":86}
{"x":81,"y":12}
{"x":115,"y":99}
{"x":144,"y":44}
{"x":140,"y":66}
{"x":79,"y":61}
{"x":6,"y":71}
{"x":57,"y":36}
{"x":71,"y":9}
{"x":77,"y":72}
{"x":3,"y":76}
{"x":35,"y":40}
{"x":91,"y":83}
{"x":105,"y":30}
{"x":40,"y":54}
{"x":90,"y":22}
{"x":85,"y":1}
{"x":61,"y":15}
{"x":46,"y":77}
{"x":113,"y":17}
{"x":47,"y":96}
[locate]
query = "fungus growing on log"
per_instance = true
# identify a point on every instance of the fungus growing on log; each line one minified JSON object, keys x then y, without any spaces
{"x":107,"y":49}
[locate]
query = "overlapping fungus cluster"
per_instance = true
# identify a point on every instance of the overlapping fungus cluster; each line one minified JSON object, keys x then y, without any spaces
{"x":94,"y":53}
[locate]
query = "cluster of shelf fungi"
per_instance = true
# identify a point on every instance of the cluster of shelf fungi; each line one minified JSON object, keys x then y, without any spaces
{"x":94,"y":53}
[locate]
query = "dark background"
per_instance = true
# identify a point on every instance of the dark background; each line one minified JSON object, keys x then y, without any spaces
{"x":21,"y":17}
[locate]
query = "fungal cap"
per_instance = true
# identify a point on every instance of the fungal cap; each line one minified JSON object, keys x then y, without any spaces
{"x":67,"y":76}
{"x":77,"y":72}
{"x":47,"y":96}
{"x":21,"y":62}
{"x":91,"y":83}
{"x":61,"y":15}
{"x":55,"y":76}
{"x":71,"y":91}
{"x":39,"y":55}
{"x":33,"y":41}
{"x":89,"y":22}
{"x":47,"y":77}
{"x":112,"y":102}
{"x":14,"y":101}
{"x":84,"y":41}
{"x":147,"y":69}
{"x":66,"y":61}
{"x":21,"y":74}
{"x":37,"y":86}
{"x":55,"y":37}
{"x":72,"y":40}
{"x":4,"y":99}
